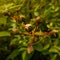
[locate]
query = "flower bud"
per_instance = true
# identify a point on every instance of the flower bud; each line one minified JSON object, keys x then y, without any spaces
{"x":22,"y":17}
{"x":38,"y":19}
{"x":15,"y":30}
{"x":28,"y":27}
{"x":53,"y":31}
{"x":30,"y":49}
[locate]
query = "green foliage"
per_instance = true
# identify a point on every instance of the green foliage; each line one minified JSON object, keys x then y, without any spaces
{"x":27,"y":26}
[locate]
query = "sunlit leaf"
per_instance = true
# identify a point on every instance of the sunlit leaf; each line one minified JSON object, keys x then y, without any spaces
{"x":4,"y":33}
{"x":53,"y":50}
{"x":3,"y":20}
{"x":26,"y":56}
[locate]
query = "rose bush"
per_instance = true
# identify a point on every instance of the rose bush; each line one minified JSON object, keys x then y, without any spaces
{"x":30,"y":30}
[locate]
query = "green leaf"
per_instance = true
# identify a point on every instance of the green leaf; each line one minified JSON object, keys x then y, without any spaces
{"x":45,"y":52}
{"x":53,"y":50}
{"x":4,"y":33}
{"x":46,"y":46}
{"x":14,"y":41}
{"x":3,"y":20}
{"x":13,"y":54}
{"x":26,"y":56}
{"x":38,"y":47}
{"x":5,"y":6}
{"x":53,"y":57}
{"x":57,"y":47}
{"x":36,"y":13}
{"x":22,"y":49}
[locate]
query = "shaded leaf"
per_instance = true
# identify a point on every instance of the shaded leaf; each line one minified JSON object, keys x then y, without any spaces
{"x":54,"y":57}
{"x":46,"y":47}
{"x":38,"y":47}
{"x":13,"y":54}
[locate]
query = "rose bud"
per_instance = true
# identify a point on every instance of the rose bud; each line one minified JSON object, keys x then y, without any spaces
{"x":15,"y":30}
{"x":53,"y":31}
{"x":38,"y":19}
{"x":28,"y":27}
{"x":30,"y":49}
{"x":22,"y":17}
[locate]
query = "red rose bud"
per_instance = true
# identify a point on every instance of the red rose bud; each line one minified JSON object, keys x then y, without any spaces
{"x":30,"y":49}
